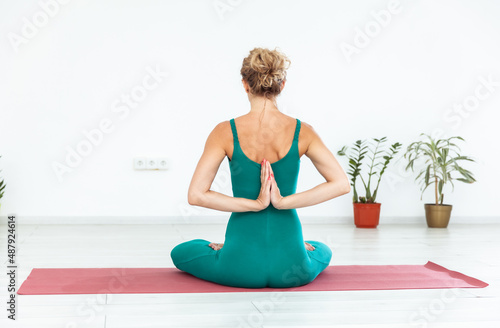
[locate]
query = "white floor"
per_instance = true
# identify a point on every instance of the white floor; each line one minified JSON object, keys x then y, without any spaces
{"x":471,"y":249}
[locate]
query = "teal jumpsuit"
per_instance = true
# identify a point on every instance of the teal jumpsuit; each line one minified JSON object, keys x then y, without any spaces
{"x":261,"y":249}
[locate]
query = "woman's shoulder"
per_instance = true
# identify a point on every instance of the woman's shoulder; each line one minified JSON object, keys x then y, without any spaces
{"x":223,"y":128}
{"x":308,"y":136}
{"x":222,"y":132}
{"x":307,"y":131}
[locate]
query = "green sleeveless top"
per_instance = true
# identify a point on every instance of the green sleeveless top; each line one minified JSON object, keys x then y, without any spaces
{"x":263,"y":248}
{"x":245,"y":173}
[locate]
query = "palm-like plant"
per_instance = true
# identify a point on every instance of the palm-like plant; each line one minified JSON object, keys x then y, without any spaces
{"x":441,"y":160}
{"x":2,"y":187}
{"x":379,"y":160}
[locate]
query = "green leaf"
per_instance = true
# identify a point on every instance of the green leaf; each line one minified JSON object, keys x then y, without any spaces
{"x":440,"y":187}
{"x":427,"y":174}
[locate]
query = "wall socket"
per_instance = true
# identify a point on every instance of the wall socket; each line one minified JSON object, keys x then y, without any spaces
{"x":163,"y":163}
{"x":151,"y":163}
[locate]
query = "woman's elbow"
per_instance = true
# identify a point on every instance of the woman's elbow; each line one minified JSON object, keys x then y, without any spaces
{"x":346,"y":187}
{"x":343,"y":187}
{"x":194,"y":198}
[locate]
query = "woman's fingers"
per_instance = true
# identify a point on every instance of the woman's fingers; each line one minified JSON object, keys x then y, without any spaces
{"x":270,"y":171}
{"x":274,"y":187}
{"x":268,"y":174}
{"x":270,"y":177}
{"x":263,"y":172}
{"x":265,"y":190}
{"x":276,"y":198}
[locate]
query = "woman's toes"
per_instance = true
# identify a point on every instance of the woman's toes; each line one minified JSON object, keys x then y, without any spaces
{"x":309,"y":247}
{"x":216,"y":246}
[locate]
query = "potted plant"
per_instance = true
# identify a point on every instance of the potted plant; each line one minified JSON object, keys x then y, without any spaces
{"x":366,"y":209}
{"x":440,"y":167}
{"x":2,"y":187}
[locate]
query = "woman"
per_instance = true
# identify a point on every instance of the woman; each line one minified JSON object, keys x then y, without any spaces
{"x":263,"y":244}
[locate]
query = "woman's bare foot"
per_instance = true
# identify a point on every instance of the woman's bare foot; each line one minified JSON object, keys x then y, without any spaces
{"x":309,"y":247}
{"x":216,"y":246}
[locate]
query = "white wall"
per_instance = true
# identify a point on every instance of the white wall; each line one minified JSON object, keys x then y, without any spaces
{"x":68,"y":75}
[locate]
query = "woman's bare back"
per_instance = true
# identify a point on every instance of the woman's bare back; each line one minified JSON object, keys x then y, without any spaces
{"x":270,"y":137}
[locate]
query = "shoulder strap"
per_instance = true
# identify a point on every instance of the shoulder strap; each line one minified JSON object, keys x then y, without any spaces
{"x":297,"y":130}
{"x":233,"y":129}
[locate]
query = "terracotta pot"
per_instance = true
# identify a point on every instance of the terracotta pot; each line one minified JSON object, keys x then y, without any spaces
{"x":366,"y":215}
{"x":437,"y":216}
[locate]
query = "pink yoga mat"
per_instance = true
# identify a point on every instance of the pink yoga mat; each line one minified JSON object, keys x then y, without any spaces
{"x":171,"y":280}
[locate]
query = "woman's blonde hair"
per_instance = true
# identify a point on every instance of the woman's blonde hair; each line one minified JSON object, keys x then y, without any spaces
{"x":265,"y":70}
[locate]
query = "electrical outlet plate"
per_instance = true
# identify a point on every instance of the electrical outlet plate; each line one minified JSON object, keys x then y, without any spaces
{"x":163,"y":163}
{"x":140,"y":163}
{"x":152,"y":164}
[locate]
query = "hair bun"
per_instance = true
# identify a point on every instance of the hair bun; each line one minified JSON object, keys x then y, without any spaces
{"x":264,"y":70}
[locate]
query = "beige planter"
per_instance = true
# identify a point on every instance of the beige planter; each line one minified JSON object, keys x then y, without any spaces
{"x":437,"y":216}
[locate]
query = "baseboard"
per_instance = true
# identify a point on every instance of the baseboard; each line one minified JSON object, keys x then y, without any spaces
{"x":223,"y":219}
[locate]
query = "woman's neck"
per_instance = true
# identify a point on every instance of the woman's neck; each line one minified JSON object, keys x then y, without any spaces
{"x":259,"y":105}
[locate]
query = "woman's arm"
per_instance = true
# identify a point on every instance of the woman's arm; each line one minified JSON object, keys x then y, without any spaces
{"x":336,"y":184}
{"x":199,"y":190}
